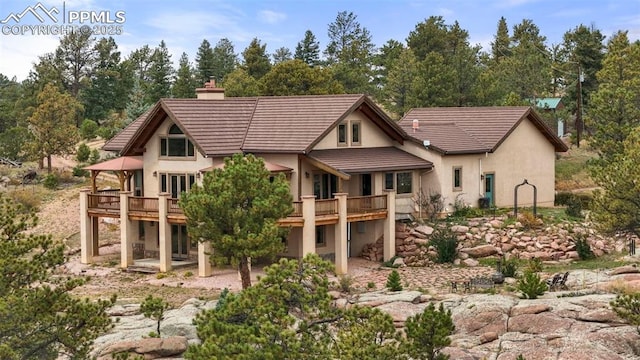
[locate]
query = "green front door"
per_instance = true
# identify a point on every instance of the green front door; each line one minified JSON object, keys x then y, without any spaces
{"x":489,"y":188}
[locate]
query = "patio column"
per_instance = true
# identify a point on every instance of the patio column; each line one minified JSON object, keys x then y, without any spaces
{"x":389,"y":248}
{"x":309,"y":227}
{"x":204,"y":263}
{"x":165,"y":233}
{"x":340,"y":236}
{"x":126,"y":231}
{"x":86,"y":228}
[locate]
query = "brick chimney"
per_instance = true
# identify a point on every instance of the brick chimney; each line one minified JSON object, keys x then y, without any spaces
{"x":210,"y":91}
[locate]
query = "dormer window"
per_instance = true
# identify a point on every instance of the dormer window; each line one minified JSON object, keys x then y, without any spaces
{"x":176,"y":144}
{"x":342,"y":134}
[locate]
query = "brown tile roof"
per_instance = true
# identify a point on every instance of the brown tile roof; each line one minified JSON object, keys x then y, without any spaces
{"x":121,"y":139}
{"x":472,"y":129}
{"x":294,"y":123}
{"x":119,"y":163}
{"x":290,"y":124}
{"x":359,"y":160}
{"x":216,"y":126}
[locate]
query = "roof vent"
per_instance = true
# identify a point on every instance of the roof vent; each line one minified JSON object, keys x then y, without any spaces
{"x":415,"y":124}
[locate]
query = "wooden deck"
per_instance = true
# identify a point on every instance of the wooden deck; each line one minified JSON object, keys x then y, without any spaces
{"x":359,"y":208}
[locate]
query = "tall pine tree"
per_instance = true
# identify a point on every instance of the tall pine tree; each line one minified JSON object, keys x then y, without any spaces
{"x":185,"y":83}
{"x":308,"y":49}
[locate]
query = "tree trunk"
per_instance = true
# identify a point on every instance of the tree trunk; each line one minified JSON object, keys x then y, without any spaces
{"x":49,"y":164}
{"x":40,"y":163}
{"x":245,"y":272}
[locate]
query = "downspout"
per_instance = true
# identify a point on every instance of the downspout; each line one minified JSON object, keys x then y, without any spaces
{"x":299,"y":178}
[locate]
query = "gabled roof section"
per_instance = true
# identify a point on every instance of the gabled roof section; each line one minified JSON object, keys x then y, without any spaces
{"x":548,"y":103}
{"x":286,"y":124}
{"x":294,"y":124}
{"x":118,"y":142}
{"x":215,"y":126}
{"x":472,"y":129}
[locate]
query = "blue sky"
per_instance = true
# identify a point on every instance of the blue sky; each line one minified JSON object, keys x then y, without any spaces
{"x":183,"y":24}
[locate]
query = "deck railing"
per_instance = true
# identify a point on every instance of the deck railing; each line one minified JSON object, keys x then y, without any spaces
{"x":366,"y":204}
{"x":108,"y":192}
{"x":173,"y":207}
{"x":327,"y":207}
{"x":355,"y":205}
{"x":297,"y":209}
{"x":108,"y":202}
{"x":143,"y":204}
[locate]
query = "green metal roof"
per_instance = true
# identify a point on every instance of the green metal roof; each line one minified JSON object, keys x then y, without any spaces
{"x":548,"y":103}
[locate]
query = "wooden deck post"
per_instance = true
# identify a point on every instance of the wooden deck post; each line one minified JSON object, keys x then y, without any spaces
{"x":389,"y":248}
{"x":309,"y":227}
{"x":165,"y":233}
{"x":86,"y":229}
{"x":340,"y":236}
{"x":126,"y":231}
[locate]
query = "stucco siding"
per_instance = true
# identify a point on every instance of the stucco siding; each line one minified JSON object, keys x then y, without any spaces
{"x":153,"y":162}
{"x":525,"y":154}
{"x":370,"y":134}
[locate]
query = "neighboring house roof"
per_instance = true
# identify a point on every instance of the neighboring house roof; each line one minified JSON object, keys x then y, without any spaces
{"x":467,"y":130}
{"x":361,"y":160}
{"x":548,"y":103}
{"x":289,"y":124}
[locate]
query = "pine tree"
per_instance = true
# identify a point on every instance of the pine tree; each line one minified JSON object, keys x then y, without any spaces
{"x":281,"y":54}
{"x":350,"y":53}
{"x":256,"y":60}
{"x":160,"y":74}
{"x":294,"y":77}
{"x":247,"y":207}
{"x":308,"y":49}
{"x":154,"y":308}
{"x":501,"y":45}
{"x":40,"y":317}
{"x":393,"y":281}
{"x":52,"y":125}
{"x":184,"y":85}
{"x":428,"y":332}
{"x":225,"y":60}
{"x":205,"y":67}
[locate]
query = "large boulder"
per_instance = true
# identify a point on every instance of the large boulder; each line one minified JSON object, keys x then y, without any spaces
{"x":481,"y":251}
{"x":149,"y":348}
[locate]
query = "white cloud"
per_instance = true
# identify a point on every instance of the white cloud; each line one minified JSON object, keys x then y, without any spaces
{"x":19,"y":52}
{"x":271,"y":17}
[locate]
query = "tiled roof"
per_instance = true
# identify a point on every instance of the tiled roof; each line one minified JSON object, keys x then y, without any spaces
{"x":359,"y":160}
{"x":216,"y":126}
{"x":121,"y":139}
{"x":472,"y":129}
{"x":253,"y":124}
{"x":293,"y":123}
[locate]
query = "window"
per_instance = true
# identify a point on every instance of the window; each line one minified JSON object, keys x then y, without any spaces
{"x":402,"y":182}
{"x":342,"y":134}
{"x":176,"y":144}
{"x":388,"y":181}
{"x":355,"y":133}
{"x":457,"y":178}
{"x":176,"y":183}
{"x":321,"y":239}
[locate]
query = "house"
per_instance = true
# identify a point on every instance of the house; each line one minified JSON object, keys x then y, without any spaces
{"x":484,"y":153}
{"x":342,"y":155}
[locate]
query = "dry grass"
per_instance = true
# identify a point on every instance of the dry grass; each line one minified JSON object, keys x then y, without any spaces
{"x":621,"y":287}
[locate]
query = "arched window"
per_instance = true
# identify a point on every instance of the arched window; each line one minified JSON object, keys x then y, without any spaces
{"x":176,"y":144}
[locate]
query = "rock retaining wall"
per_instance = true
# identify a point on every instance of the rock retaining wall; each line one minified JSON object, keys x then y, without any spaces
{"x":484,"y":237}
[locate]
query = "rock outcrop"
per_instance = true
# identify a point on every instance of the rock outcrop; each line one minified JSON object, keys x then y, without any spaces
{"x":487,"y":326}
